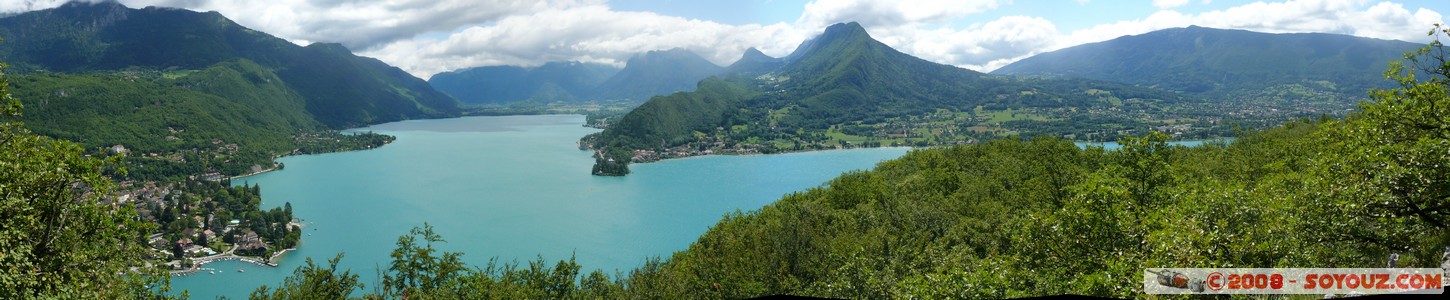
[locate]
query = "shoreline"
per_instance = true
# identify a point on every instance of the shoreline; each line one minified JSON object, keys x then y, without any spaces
{"x":198,"y":263}
{"x":1075,"y":142}
{"x":273,"y":168}
{"x":197,"y":266}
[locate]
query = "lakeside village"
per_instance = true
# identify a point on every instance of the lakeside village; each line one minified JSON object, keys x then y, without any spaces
{"x":200,"y":217}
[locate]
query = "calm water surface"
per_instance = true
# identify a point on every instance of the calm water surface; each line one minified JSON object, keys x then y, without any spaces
{"x":513,"y":187}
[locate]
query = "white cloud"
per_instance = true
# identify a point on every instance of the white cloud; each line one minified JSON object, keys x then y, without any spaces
{"x":591,"y":33}
{"x":1169,"y":4}
{"x":19,"y":6}
{"x":822,"y":13}
{"x":359,"y":25}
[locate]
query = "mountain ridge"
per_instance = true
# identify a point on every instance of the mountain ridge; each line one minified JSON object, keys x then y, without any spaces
{"x":1222,"y":62}
{"x":82,"y":37}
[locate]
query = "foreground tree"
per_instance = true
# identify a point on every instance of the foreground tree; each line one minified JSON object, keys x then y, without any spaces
{"x":313,"y":281}
{"x":1386,"y":170}
{"x":57,"y":238}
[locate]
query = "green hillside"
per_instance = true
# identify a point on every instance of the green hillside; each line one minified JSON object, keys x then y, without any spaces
{"x":340,"y":89}
{"x":845,"y":89}
{"x":1225,"y":63}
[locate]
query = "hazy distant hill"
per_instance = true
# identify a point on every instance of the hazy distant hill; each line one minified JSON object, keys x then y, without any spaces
{"x":1222,"y":62}
{"x":646,"y":75}
{"x":755,"y":62}
{"x":657,"y":73}
{"x":554,"y":81}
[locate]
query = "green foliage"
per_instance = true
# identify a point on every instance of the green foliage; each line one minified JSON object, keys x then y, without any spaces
{"x":669,"y":120}
{"x":232,"y":118}
{"x":416,"y":267}
{"x":59,"y":236}
{"x":313,"y":281}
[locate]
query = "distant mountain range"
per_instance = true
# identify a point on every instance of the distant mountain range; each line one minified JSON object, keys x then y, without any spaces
{"x":645,"y":75}
{"x":1224,"y":63}
{"x":555,"y":81}
{"x":158,"y":78}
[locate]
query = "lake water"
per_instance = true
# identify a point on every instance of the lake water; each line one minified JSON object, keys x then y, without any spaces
{"x":1116,"y":146}
{"x":514,"y":187}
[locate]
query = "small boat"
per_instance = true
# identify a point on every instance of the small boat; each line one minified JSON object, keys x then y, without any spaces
{"x":241,"y":271}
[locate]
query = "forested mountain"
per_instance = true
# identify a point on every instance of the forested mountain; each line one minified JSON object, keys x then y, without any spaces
{"x":1225,"y":63}
{"x":844,"y":77}
{"x":657,"y":73}
{"x":554,"y":81}
{"x":339,"y":89}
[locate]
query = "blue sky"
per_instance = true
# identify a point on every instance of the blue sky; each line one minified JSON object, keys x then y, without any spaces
{"x":426,"y":37}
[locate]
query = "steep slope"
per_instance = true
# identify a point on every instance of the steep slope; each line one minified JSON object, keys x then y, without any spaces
{"x":657,"y":73}
{"x":340,"y":89}
{"x":1222,"y":62}
{"x":844,"y":74}
{"x":554,"y":81}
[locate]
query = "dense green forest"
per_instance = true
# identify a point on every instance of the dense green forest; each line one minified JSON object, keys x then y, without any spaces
{"x":232,"y":118}
{"x":1015,"y":218}
{"x":58,"y":237}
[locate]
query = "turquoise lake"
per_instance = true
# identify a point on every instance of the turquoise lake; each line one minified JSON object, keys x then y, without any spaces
{"x":515,"y":188}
